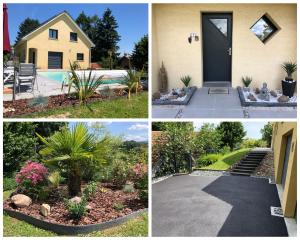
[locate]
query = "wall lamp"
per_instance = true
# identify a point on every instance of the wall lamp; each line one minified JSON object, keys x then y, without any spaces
{"x":193,"y":36}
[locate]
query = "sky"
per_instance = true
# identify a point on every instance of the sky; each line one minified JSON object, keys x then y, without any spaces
{"x":132,"y":18}
{"x":252,"y":128}
{"x":137,"y":131}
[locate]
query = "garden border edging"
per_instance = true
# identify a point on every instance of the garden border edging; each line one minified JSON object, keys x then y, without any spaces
{"x":70,"y":229}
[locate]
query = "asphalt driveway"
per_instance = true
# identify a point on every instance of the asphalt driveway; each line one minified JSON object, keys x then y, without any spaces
{"x":215,"y":206}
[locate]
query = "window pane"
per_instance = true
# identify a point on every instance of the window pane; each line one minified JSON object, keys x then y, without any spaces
{"x":264,"y":28}
{"x":221,"y":24}
{"x":80,"y":56}
{"x":73,"y":36}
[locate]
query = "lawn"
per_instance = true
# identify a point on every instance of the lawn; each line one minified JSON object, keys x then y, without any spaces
{"x":227,"y":160}
{"x":136,"y":107}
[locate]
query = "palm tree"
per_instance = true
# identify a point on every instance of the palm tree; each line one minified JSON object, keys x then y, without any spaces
{"x":69,"y":149}
{"x":131,"y":80}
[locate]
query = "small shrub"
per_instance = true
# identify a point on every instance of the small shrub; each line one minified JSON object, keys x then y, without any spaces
{"x":209,"y":159}
{"x":128,"y":188}
{"x":31,"y":179}
{"x":140,"y":176}
{"x":225,"y":150}
{"x":9,"y":184}
{"x":289,"y":68}
{"x":143,"y":194}
{"x":119,"y":173}
{"x":246,"y":81}
{"x":90,"y":190}
{"x":55,"y":179}
{"x":186,"y":80}
{"x":38,"y":102}
{"x":118,"y":206}
{"x":76,"y":210}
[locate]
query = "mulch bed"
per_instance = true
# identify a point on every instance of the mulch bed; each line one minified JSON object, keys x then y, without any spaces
{"x":102,"y":205}
{"x":266,"y":167}
{"x":25,"y":106}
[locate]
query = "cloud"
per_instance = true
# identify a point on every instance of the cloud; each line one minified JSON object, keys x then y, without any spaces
{"x":138,"y":126}
{"x":137,"y":138}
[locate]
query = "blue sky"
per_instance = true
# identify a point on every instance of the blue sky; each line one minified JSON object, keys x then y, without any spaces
{"x":137,"y":131}
{"x":252,"y":128}
{"x":132,"y":18}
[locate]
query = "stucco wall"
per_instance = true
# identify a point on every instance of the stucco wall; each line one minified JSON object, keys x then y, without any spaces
{"x":280,"y":131}
{"x":40,"y":41}
{"x":173,"y":23}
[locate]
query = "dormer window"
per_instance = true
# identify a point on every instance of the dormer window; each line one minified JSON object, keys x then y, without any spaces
{"x":73,"y":37}
{"x":53,"y":34}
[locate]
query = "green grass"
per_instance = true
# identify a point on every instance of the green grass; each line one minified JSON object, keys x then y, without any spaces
{"x":137,"y":107}
{"x":137,"y":227}
{"x":225,"y":161}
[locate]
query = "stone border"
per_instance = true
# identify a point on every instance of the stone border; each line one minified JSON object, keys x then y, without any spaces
{"x":244,"y":103}
{"x":71,"y":229}
{"x":169,"y":102}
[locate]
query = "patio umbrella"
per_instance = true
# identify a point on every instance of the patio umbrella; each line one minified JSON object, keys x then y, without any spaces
{"x":6,"y":43}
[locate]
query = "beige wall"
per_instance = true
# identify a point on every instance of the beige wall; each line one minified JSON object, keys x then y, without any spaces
{"x":280,"y":131}
{"x":173,"y":23}
{"x":40,"y":41}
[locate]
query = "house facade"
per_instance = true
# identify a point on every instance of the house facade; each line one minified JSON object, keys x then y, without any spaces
{"x":55,"y":44}
{"x":284,"y":144}
{"x":220,"y":43}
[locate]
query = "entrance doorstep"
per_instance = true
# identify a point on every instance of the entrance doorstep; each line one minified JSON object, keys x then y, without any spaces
{"x":217,"y":84}
{"x":218,"y":90}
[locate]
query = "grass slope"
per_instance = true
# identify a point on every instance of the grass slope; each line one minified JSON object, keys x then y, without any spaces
{"x":225,"y":161}
{"x":137,"y":107}
{"x":137,"y":227}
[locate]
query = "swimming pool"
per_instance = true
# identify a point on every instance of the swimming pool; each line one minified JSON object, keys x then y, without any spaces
{"x":63,"y":77}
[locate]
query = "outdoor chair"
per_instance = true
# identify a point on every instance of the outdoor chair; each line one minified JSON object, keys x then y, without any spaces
{"x":26,"y":74}
{"x":8,"y":73}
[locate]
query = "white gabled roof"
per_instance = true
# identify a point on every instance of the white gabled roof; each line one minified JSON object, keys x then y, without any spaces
{"x":26,"y":37}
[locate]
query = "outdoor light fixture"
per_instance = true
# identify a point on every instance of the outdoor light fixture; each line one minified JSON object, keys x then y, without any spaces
{"x":193,"y":35}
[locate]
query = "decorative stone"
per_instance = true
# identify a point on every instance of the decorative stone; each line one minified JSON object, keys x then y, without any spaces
{"x":252,"y":98}
{"x":257,"y":91}
{"x":76,"y":199}
{"x":21,"y":200}
{"x":273,"y":93}
{"x":283,"y":98}
{"x":156,"y":96}
{"x":181,"y":94}
{"x":264,"y":93}
{"x":173,"y":97}
{"x":88,"y":208}
{"x":45,"y":209}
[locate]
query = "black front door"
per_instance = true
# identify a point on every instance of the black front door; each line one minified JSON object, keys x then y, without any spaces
{"x":217,"y":38}
{"x":286,"y":159}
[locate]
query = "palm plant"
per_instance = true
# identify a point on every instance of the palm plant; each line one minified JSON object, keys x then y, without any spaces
{"x":289,"y":68}
{"x":246,"y":81}
{"x":70,"y":149}
{"x":186,"y":80}
{"x":132,"y":80}
{"x":85,"y":86}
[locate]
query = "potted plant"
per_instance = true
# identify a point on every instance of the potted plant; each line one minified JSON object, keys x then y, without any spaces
{"x":246,"y":81}
{"x":186,"y":81}
{"x":289,"y":84}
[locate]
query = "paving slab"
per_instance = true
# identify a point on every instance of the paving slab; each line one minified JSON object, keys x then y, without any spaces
{"x":215,"y":206}
{"x":165,"y":111}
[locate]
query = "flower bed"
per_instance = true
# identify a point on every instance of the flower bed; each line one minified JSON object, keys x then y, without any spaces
{"x":103,"y":207}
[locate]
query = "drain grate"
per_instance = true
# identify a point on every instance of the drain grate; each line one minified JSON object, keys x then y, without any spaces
{"x":276,"y":211}
{"x":218,"y":90}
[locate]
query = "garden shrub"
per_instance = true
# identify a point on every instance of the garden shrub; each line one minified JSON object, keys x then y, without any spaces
{"x":55,"y":179}
{"x":140,"y":177}
{"x":225,"y":150}
{"x":252,"y":143}
{"x":90,"y":190}
{"x":119,"y":172}
{"x":118,"y":206}
{"x":9,"y":184}
{"x":128,"y":188}
{"x":76,"y":210}
{"x":207,"y":160}
{"x":32,"y":178}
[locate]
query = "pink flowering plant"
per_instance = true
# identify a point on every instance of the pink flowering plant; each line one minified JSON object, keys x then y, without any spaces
{"x":140,"y":175}
{"x":32,"y":177}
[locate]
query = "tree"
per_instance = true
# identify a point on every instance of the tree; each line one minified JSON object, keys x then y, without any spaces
{"x":71,"y":149}
{"x":87,"y":24}
{"x":106,"y":38}
{"x":267,"y":132}
{"x":27,"y":26}
{"x":232,"y":134}
{"x":139,"y":57}
{"x":158,"y":126}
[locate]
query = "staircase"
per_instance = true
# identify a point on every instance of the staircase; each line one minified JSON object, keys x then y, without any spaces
{"x":248,"y":164}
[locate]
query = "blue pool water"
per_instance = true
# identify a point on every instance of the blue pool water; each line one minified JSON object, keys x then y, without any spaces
{"x":63,"y":76}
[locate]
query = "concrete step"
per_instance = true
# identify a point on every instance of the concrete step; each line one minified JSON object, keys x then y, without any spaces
{"x":242,"y":170}
{"x":240,"y":174}
{"x":245,"y":167}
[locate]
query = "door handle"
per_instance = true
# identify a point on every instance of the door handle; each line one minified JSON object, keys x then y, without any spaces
{"x":229,"y":51}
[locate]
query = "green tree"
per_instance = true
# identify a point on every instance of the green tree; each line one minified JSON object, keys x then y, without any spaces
{"x":71,"y":149}
{"x":106,"y":38}
{"x":88,"y":24}
{"x":232,"y":134}
{"x":139,"y":56}
{"x":267,"y":132}
{"x":27,"y":26}
{"x":19,"y":145}
{"x":208,"y":140}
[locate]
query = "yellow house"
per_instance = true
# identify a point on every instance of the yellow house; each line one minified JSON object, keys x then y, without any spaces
{"x":284,"y":144}
{"x":219,"y":43}
{"x":56,"y":43}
